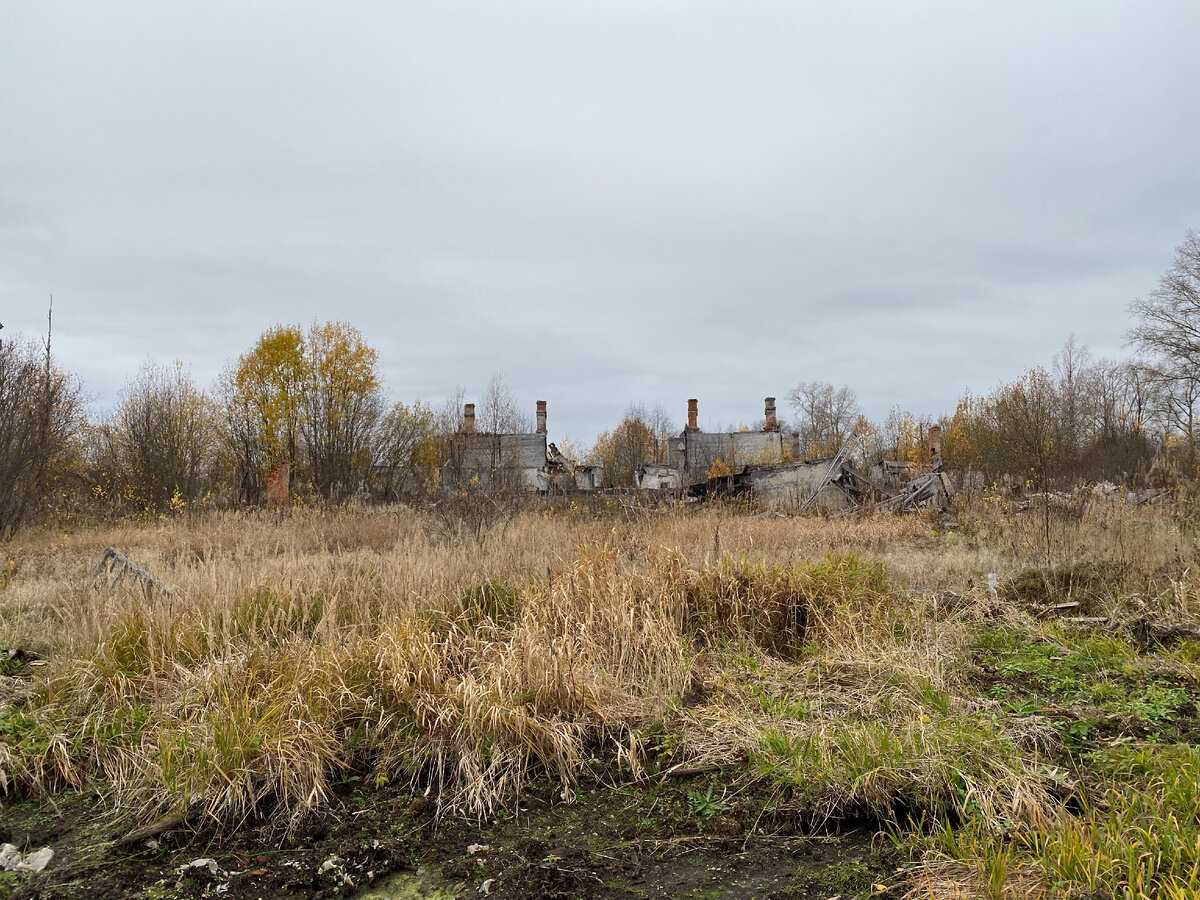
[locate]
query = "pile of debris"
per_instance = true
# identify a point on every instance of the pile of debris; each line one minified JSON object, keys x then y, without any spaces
{"x":930,"y":489}
{"x":829,"y":485}
{"x":770,"y":469}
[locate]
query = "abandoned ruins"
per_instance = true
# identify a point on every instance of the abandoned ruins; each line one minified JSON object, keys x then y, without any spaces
{"x":765,"y":466}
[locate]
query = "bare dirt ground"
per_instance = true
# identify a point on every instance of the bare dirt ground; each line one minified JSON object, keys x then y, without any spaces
{"x":631,"y":841}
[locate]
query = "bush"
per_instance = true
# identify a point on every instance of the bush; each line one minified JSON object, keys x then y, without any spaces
{"x":40,"y":420}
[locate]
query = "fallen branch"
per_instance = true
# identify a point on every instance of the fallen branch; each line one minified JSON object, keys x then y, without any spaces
{"x":683,"y":770}
{"x":154,"y":829}
{"x":113,"y":567}
{"x":1153,"y":634}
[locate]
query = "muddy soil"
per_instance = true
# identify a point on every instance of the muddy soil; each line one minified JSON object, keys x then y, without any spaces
{"x":696,"y":838}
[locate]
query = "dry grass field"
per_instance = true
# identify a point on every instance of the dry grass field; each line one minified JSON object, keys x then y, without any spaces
{"x":1000,"y":705}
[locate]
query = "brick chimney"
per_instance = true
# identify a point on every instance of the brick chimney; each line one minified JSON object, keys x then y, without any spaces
{"x":771,"y":423}
{"x":541,"y":417}
{"x":468,"y":422}
{"x":935,"y":443}
{"x":693,"y":415}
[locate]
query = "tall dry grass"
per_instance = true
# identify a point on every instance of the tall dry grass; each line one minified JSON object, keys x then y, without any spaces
{"x":557,"y":643}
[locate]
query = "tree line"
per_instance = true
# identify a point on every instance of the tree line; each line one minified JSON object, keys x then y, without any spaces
{"x":1078,"y":418}
{"x":1082,"y":418}
{"x":311,"y":403}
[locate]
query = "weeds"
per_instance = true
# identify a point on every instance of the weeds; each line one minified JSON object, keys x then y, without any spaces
{"x":860,"y":667}
{"x":935,"y":768}
{"x":1137,"y":835}
{"x":780,"y":607}
{"x":704,"y":805}
{"x":495,"y":599}
{"x":1089,"y":683}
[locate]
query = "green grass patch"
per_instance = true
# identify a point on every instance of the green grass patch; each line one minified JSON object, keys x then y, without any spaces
{"x":1088,"y":683}
{"x":1186,"y":651}
{"x":780,"y":706}
{"x":848,"y":878}
{"x":9,"y":882}
{"x":704,"y":805}
{"x":26,"y":734}
{"x":932,"y":766}
{"x":1137,"y":833}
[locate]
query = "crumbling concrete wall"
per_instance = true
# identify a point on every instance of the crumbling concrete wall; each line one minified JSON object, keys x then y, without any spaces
{"x":793,"y":485}
{"x":658,"y":477}
{"x":696,"y":453}
{"x":589,"y":477}
{"x":497,"y":462}
{"x":513,"y":462}
{"x":490,"y":462}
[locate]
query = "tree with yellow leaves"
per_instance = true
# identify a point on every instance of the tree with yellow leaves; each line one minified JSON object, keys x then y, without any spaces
{"x":311,"y":400}
{"x":264,"y":402}
{"x":342,"y":406}
{"x":907,"y":437}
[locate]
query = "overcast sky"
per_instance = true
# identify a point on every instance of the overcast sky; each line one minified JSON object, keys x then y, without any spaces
{"x":608,"y":202}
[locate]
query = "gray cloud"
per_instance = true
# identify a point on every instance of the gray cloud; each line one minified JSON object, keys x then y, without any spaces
{"x":607,"y":202}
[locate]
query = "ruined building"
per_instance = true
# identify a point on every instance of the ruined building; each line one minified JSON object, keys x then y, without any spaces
{"x":526,"y":463}
{"x":767,"y":465}
{"x":697,"y":454}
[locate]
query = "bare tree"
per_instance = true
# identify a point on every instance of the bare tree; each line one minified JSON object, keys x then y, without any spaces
{"x":1168,"y":329}
{"x":1168,"y":320}
{"x":447,"y":422}
{"x":1178,"y":397}
{"x":902,"y":436}
{"x":1071,"y":367}
{"x":1028,"y":413}
{"x":243,"y":439}
{"x":449,"y":416}
{"x":1140,"y":396}
{"x":40,"y":421}
{"x":498,"y":409}
{"x":825,"y":415}
{"x":162,"y":439}
{"x":498,"y":413}
{"x":660,"y":426}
